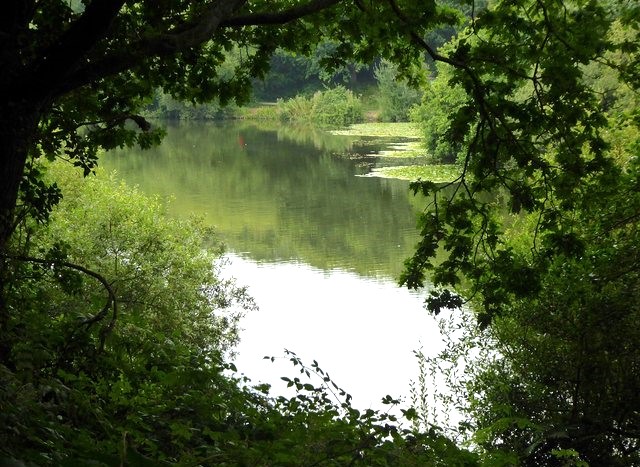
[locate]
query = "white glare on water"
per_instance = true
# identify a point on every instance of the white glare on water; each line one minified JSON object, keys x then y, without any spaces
{"x":361,"y":331}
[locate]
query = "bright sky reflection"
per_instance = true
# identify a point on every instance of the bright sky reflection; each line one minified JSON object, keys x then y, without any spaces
{"x":362,"y":331}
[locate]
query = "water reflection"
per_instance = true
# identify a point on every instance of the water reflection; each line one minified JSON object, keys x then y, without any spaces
{"x":281,"y":194}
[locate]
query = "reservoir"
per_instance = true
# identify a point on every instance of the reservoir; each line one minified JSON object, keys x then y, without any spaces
{"x":319,"y":245}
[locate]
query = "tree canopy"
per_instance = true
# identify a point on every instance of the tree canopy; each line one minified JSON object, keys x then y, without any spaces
{"x":533,"y":131}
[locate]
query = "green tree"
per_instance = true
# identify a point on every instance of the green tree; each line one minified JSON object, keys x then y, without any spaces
{"x":395,"y":97}
{"x":533,"y":133}
{"x":541,"y":234}
{"x":555,"y":378}
{"x":440,"y":36}
{"x":294,"y":74}
{"x":289,"y":75}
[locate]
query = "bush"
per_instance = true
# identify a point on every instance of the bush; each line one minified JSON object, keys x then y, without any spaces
{"x":337,"y":106}
{"x":296,"y":109}
{"x":114,"y":302}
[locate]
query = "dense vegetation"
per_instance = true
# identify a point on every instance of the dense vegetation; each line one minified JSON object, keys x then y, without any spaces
{"x":540,"y":230}
{"x":387,"y":98}
{"x":114,"y":328}
{"x":290,"y":75}
{"x":440,"y":103}
{"x":165,"y":107}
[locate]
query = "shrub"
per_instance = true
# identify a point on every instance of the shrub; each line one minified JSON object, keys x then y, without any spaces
{"x":337,"y":106}
{"x":296,"y":109}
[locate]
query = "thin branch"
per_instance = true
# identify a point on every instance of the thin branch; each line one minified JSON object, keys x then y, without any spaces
{"x":111,"y":299}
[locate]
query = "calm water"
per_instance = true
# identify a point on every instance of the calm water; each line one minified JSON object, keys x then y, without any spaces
{"x":319,"y":247}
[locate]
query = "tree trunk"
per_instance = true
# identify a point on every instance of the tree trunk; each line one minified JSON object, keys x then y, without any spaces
{"x":18,"y":125}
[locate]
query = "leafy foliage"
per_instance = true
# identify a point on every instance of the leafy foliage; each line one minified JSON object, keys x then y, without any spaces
{"x":293,"y":74}
{"x":165,"y":310}
{"x":540,"y":233}
{"x":533,"y":133}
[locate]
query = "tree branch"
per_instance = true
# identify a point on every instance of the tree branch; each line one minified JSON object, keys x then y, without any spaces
{"x":111,"y":299}
{"x":188,"y":35}
{"x":166,"y":44}
{"x":78,"y":40}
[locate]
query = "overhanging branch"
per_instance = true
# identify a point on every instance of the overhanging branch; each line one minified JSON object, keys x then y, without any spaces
{"x":79,"y":39}
{"x":183,"y":37}
{"x":161,"y":45}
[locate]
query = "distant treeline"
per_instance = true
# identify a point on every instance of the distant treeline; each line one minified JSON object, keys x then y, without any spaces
{"x":384,"y":97}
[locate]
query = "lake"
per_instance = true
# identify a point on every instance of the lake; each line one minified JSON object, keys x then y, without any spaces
{"x":319,"y":246}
